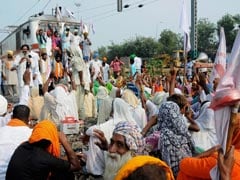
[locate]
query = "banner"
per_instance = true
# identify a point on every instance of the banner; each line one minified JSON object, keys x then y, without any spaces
{"x":219,"y":66}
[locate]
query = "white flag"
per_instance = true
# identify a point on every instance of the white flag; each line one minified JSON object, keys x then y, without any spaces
{"x":184,"y":25}
{"x":227,"y":94}
{"x":66,"y":12}
{"x":219,"y":67}
{"x":58,"y":13}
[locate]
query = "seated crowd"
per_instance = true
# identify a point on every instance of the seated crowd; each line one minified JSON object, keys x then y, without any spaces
{"x":135,"y":127}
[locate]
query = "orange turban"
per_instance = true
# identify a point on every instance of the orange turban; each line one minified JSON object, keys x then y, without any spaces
{"x":104,"y":59}
{"x":46,"y":130}
{"x":139,"y":161}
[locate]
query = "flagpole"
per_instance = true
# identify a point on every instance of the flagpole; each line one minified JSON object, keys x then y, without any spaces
{"x":185,"y":58}
{"x":184,"y":25}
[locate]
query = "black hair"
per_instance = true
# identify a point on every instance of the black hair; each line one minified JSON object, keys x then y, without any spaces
{"x":179,"y":99}
{"x":131,"y":61}
{"x":25,"y":45}
{"x":21,"y":112}
{"x":43,"y":143}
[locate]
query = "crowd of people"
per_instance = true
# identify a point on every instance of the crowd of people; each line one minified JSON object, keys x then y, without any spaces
{"x":137,"y":126}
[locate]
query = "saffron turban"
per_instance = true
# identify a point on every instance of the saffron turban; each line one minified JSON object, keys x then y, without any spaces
{"x":47,"y":130}
{"x":139,"y":161}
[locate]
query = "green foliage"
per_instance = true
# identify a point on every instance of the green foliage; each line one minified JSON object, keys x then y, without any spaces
{"x":169,"y":41}
{"x":207,"y":37}
{"x":103,"y":51}
{"x":154,"y":66}
{"x":228,"y":21}
{"x":147,"y":47}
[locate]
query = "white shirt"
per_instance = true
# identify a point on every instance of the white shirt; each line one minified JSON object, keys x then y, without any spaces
{"x":4,"y":120}
{"x":95,"y":66}
{"x":35,"y":68}
{"x":75,"y":40}
{"x":105,"y":72}
{"x":49,"y":46}
{"x":21,"y":67}
{"x":138,"y":63}
{"x":10,"y":139}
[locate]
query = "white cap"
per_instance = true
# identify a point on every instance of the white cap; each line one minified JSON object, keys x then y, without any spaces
{"x":3,"y":105}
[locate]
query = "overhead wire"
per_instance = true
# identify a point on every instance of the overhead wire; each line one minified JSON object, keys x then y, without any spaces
{"x":97,"y":17}
{"x":46,"y":5}
{"x":116,"y":13}
{"x":89,"y":9}
{"x":24,"y":14}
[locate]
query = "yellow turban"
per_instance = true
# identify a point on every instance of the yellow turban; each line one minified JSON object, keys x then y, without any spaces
{"x":139,"y":161}
{"x":9,"y":52}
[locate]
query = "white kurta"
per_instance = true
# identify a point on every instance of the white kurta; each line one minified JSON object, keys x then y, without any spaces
{"x":10,"y":139}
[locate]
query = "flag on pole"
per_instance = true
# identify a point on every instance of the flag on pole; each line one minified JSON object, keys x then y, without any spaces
{"x":219,"y":66}
{"x":66,"y":12}
{"x":81,"y":26}
{"x":58,"y":13}
{"x":227,"y":94}
{"x":184,"y":25}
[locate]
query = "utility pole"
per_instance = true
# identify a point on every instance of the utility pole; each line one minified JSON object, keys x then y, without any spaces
{"x":194,"y":28}
{"x":119,"y":5}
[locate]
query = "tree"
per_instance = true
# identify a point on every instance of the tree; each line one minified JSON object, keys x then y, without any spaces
{"x":141,"y":46}
{"x":115,"y":50}
{"x":228,"y":22}
{"x":207,"y":39}
{"x":103,"y":51}
{"x":169,"y":41}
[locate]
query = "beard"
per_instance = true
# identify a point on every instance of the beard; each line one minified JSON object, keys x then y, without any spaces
{"x":113,"y":163}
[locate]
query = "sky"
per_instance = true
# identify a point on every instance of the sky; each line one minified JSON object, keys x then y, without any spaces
{"x":115,"y":27}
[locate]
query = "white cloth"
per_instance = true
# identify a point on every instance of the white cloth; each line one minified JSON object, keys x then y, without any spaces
{"x":206,"y":137}
{"x":49,"y":46}
{"x":152,"y":109}
{"x":5,"y":119}
{"x":105,"y":72}
{"x":86,"y":76}
{"x":95,"y":65}
{"x":138,"y":63}
{"x":35,"y":68}
{"x":121,"y":113}
{"x":61,"y":104}
{"x":77,"y":64}
{"x":10,"y":139}
{"x":45,"y":69}
{"x":24,"y":95}
{"x":21,"y":67}
{"x":11,"y":76}
{"x":3,"y":105}
{"x":139,"y":115}
{"x":75,"y":40}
